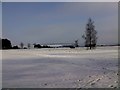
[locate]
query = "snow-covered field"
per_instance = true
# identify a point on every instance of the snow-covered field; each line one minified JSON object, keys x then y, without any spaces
{"x":60,"y":68}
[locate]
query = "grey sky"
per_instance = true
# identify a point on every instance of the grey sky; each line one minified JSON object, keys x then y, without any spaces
{"x":1,"y":20}
{"x":58,"y":22}
{"x":60,"y":0}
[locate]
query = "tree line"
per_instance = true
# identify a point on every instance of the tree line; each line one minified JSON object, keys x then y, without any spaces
{"x":90,"y":38}
{"x":6,"y":44}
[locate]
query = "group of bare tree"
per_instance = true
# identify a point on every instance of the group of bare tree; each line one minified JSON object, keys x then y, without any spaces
{"x":90,"y":37}
{"x":22,"y":46}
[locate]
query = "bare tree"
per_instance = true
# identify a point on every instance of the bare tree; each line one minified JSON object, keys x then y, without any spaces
{"x":22,"y":45}
{"x":76,"y":43}
{"x":28,"y":45}
{"x":90,"y":35}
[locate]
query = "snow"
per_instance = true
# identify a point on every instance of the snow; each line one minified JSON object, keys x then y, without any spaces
{"x":60,"y":68}
{"x":0,"y":69}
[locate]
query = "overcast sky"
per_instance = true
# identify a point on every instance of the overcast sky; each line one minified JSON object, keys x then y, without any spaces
{"x":58,"y":22}
{"x":0,"y":20}
{"x":60,"y":0}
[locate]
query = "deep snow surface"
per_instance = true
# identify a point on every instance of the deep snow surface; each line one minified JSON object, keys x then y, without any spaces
{"x":60,"y":68}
